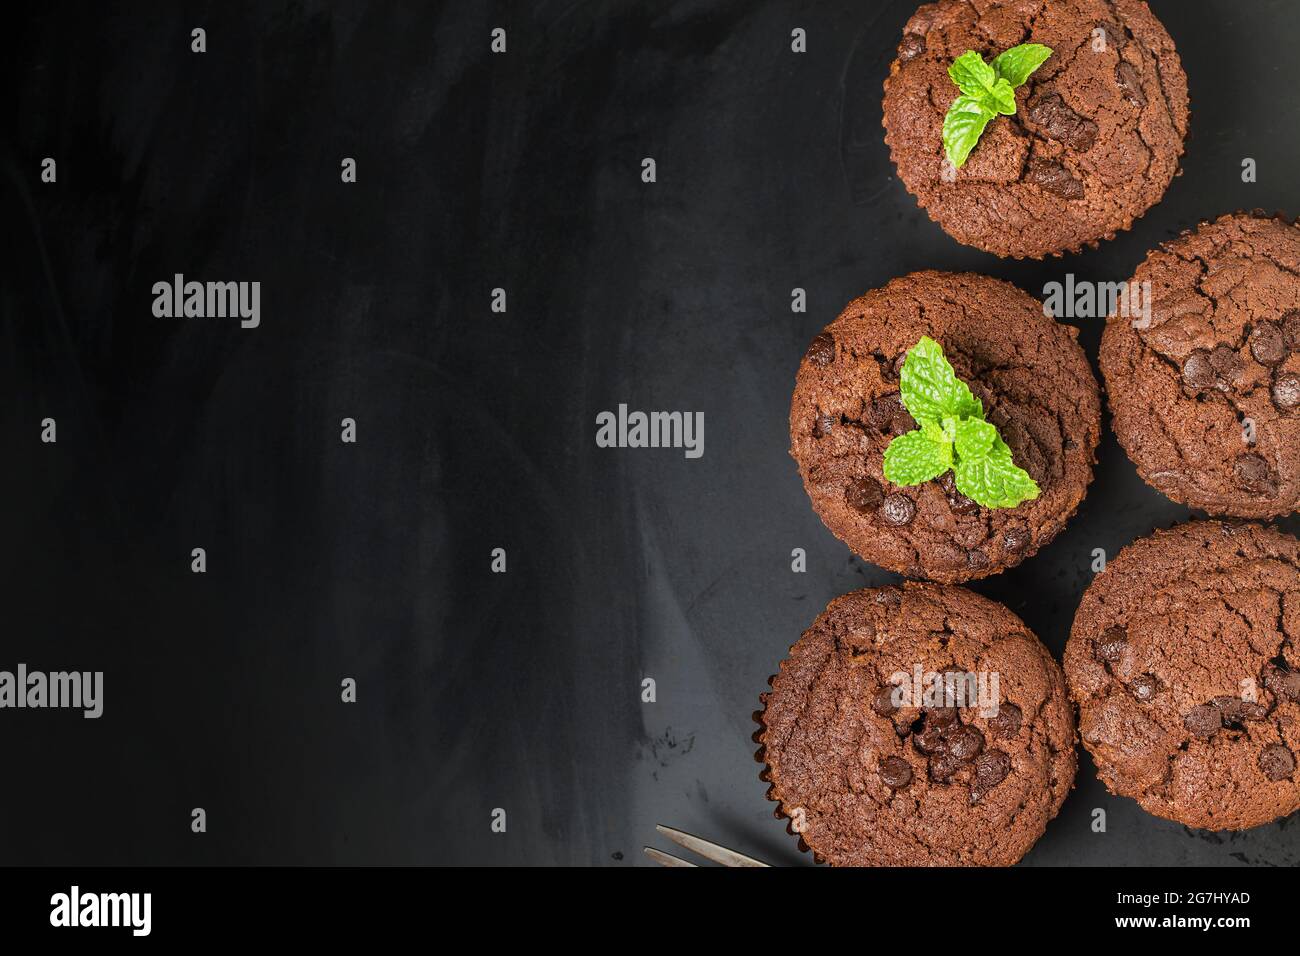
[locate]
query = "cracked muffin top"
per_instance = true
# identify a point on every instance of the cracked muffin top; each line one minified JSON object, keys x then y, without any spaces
{"x":1093,"y":144}
{"x":1027,"y":370}
{"x":917,"y":726}
{"x":1206,"y":396}
{"x":1183,"y":662}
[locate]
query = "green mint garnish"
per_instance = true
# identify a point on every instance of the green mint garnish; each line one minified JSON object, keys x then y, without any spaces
{"x":986,"y":91}
{"x":931,"y":389}
{"x":952,"y":434}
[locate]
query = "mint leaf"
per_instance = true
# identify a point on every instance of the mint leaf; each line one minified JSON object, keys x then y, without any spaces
{"x":936,"y":432}
{"x":915,"y":457}
{"x":1002,"y":98}
{"x":952,"y":433}
{"x":963,"y":127}
{"x":931,"y":390}
{"x":986,"y":91}
{"x":994,"y":480}
{"x":974,"y":438}
{"x":972,"y":75}
{"x":1015,"y":65}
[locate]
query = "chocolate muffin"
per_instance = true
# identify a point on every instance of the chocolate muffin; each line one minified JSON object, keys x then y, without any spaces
{"x":876,"y":761}
{"x":1205,"y":396}
{"x":1184,"y":665}
{"x":1095,"y":139}
{"x":1025,"y":368}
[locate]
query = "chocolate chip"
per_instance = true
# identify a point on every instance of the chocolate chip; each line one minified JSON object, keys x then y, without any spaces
{"x":1268,"y":344}
{"x":991,"y":769}
{"x":957,"y":502}
{"x":1253,"y":475}
{"x":898,"y":510}
{"x":965,"y":743}
{"x":864,"y":495}
{"x":1283,"y":683}
{"x":1063,"y":124}
{"x":895,"y":773}
{"x":1144,"y":687}
{"x":902,"y":422}
{"x":894,"y":370}
{"x":976,"y":558}
{"x":888,"y":597}
{"x":881,"y":412}
{"x":940,"y":718}
{"x":1233,"y":710}
{"x":1286,"y":392}
{"x":1291,"y":329}
{"x":913,"y":45}
{"x":1253,"y":710}
{"x":1277,"y":762}
{"x":1130,"y":83}
{"x":1228,"y":706}
{"x":1053,"y":178}
{"x":943,"y":766}
{"x":1006,"y":724}
{"x":822,"y":349}
{"x":1015,"y":540}
{"x":929,"y":741}
{"x":1110,"y":647}
{"x":883,"y":701}
{"x":1227,"y":363}
{"x":1198,"y":373}
{"x":822,"y":425}
{"x":1203,"y":720}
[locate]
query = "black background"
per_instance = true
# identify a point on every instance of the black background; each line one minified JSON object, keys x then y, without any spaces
{"x":476,"y":430}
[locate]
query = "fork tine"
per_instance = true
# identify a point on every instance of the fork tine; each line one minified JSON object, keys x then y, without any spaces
{"x":710,"y":851}
{"x":666,"y":859}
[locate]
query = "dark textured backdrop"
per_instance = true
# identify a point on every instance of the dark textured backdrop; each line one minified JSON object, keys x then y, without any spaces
{"x":476,"y":430}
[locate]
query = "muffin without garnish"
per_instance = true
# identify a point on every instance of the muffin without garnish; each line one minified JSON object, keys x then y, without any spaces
{"x":1184,"y":665}
{"x":1205,"y":397}
{"x":876,"y":762}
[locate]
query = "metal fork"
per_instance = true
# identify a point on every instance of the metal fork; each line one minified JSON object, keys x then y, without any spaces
{"x":710,"y":851}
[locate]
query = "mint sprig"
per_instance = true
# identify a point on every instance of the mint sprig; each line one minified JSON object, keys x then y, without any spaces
{"x":986,"y":92}
{"x":951,"y":433}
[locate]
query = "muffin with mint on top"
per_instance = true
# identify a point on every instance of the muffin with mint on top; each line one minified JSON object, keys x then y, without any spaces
{"x":1031,"y":128}
{"x":944,"y":426}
